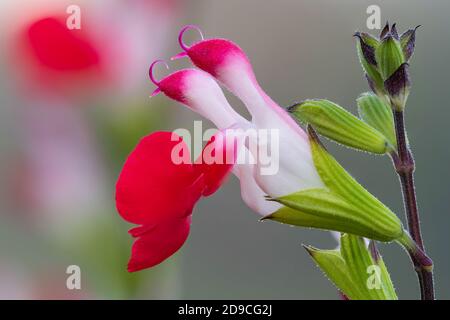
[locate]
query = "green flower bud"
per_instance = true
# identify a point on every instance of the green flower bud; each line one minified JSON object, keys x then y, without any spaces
{"x":378,"y":114}
{"x":354,"y":270}
{"x":366,"y":46}
{"x":389,"y":56}
{"x":344,"y":205}
{"x":397,"y":87}
{"x":385,"y":62}
{"x":335,"y":123}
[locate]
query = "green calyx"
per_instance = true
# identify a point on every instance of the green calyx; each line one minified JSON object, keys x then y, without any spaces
{"x":335,"y":123}
{"x":359,"y":273}
{"x":378,"y":114}
{"x":389,"y":56}
{"x":366,"y":47}
{"x":343,"y":205}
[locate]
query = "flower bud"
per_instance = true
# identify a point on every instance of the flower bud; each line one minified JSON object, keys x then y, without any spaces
{"x":389,"y":56}
{"x":334,"y":122}
{"x":397,"y":87}
{"x":384,"y":59}
{"x":378,"y":114}
{"x":354,"y":270}
{"x":366,"y":47}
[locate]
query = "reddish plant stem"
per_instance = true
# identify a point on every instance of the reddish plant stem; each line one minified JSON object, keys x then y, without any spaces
{"x":404,"y":165}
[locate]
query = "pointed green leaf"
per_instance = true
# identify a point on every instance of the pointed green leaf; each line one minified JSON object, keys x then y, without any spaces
{"x":377,"y":114}
{"x":336,"y":123}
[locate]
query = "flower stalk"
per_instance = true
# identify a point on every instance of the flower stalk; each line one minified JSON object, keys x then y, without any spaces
{"x":404,"y":165}
{"x":422,"y":264}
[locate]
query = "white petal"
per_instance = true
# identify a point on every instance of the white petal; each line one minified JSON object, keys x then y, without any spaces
{"x":206,"y":97}
{"x":251,"y":193}
{"x":296,"y":170}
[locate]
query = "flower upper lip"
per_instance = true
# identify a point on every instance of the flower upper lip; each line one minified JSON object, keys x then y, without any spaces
{"x":228,"y":63}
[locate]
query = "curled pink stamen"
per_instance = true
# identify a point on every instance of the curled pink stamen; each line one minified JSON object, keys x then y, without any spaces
{"x":150,"y":71}
{"x":180,"y":36}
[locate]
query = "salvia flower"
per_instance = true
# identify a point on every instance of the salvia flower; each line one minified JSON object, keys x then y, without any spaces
{"x":159,"y":195}
{"x":201,"y":93}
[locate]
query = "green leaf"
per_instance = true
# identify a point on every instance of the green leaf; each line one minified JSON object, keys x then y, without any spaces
{"x":336,"y":123}
{"x":376,"y":113}
{"x":354,"y":271}
{"x":389,"y":56}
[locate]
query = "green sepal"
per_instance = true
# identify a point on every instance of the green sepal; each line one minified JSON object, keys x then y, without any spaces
{"x":334,"y":122}
{"x":343,"y":206}
{"x":354,"y":271}
{"x":376,"y":113}
{"x":407,"y":41}
{"x":386,"y":281}
{"x":369,"y":65}
{"x":389,"y":56}
{"x":337,"y":180}
{"x":322,"y":209}
{"x":335,"y":269}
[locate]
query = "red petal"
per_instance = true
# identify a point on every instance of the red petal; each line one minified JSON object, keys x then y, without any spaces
{"x":217,"y":160}
{"x":159,"y":194}
{"x":157,"y":243}
{"x":151,"y":187}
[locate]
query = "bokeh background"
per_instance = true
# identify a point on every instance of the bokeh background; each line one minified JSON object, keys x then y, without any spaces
{"x":74,"y":103}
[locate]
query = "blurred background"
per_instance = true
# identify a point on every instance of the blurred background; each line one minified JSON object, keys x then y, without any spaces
{"x":74,"y":103}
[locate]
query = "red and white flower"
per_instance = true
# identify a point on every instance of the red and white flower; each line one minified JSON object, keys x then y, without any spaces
{"x":149,"y":182}
{"x":225,"y":61}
